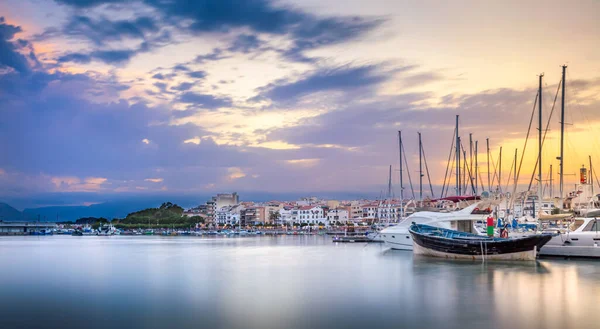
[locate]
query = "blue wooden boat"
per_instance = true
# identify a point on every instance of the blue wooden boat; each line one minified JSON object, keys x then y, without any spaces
{"x":439,"y":242}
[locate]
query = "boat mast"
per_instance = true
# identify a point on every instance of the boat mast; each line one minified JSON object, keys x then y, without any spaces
{"x":471,"y":152}
{"x":420,"y":168}
{"x":562,"y":133}
{"x":500,"y":171}
{"x":487,"y":141}
{"x":540,"y":143}
{"x":389,"y":193}
{"x":591,"y":175}
{"x":515,"y":170}
{"x":551,"y":184}
{"x":458,"y":182}
{"x":401,"y":182}
{"x":476,"y":171}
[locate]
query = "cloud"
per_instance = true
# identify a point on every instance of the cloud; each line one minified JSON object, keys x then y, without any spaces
{"x":197,"y":74}
{"x":183,"y":86}
{"x":245,"y":43}
{"x":337,"y":79}
{"x":154,"y":180}
{"x":205,"y":100}
{"x":215,"y":55}
{"x":9,"y":56}
{"x":106,"y":56}
{"x":102,"y":30}
{"x":306,"y":31}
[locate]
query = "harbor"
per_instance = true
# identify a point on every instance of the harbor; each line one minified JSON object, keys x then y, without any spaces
{"x":275,"y":281}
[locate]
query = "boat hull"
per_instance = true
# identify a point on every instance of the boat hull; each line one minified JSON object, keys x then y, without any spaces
{"x":474,"y":247}
{"x":522,"y":255}
{"x":399,"y":241}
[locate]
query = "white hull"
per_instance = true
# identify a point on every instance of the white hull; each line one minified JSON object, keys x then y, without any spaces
{"x":399,"y":241}
{"x":523,"y":255}
{"x":570,"y":251}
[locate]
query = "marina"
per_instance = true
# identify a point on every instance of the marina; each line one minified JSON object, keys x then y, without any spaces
{"x":276,"y":282}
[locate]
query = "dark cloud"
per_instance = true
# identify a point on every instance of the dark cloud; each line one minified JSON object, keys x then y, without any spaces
{"x":245,"y":43}
{"x":180,"y":67}
{"x":204,"y":100}
{"x":106,"y":56}
{"x":9,"y":56}
{"x":342,"y":79}
{"x":306,"y":31}
{"x":103,"y":30}
{"x":215,"y":55}
{"x":184,"y":86}
{"x":197,"y":74}
{"x":158,"y":76}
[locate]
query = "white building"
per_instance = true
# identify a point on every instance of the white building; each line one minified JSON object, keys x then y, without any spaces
{"x":337,"y":215}
{"x":309,"y":215}
{"x":388,"y":210}
{"x":285,"y":215}
{"x":228,"y":215}
{"x":370,"y":210}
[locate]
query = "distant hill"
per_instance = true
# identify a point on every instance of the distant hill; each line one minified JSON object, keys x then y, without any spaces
{"x":8,"y":213}
{"x":110,"y":210}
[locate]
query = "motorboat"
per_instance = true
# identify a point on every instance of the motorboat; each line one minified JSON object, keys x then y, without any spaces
{"x":106,"y":230}
{"x":581,"y":239}
{"x":445,"y":243}
{"x":398,"y":236}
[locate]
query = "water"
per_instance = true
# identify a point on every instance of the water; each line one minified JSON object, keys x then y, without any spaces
{"x":279,"y":282}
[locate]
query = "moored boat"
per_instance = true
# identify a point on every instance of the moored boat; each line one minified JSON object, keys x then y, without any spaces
{"x":439,"y":242}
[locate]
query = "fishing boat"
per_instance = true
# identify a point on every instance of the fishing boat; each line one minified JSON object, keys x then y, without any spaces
{"x":398,"y":236}
{"x":439,"y":242}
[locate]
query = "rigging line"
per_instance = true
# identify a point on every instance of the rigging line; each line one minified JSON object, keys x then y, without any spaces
{"x":448,"y":163}
{"x":524,"y":149}
{"x":412,"y":190}
{"x":545,"y":132}
{"x":427,"y":170}
{"x":585,"y":117}
{"x":494,"y":176}
{"x":450,"y":175}
{"x":510,"y":174}
{"x":468,"y":170}
{"x":596,"y":177}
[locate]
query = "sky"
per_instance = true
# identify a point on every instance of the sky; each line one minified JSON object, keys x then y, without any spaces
{"x":122,"y":98}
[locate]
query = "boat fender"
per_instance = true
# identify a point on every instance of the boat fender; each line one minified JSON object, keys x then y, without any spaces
{"x":504,"y":234}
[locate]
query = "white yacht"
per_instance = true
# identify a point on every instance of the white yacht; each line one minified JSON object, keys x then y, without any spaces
{"x":581,"y":240}
{"x":398,"y":237}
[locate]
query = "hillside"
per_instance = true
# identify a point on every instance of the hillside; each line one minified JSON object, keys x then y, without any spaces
{"x":167,"y":215}
{"x":8,"y":213}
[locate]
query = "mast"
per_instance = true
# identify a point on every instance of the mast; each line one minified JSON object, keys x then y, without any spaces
{"x":540,"y":144}
{"x":458,"y":183}
{"x":562,"y":132}
{"x":515,"y":170}
{"x":470,"y":152}
{"x":487,"y":141}
{"x":551,"y":184}
{"x":476,"y":171}
{"x":500,"y":171}
{"x":389,"y":193}
{"x":401,"y":182}
{"x":420,"y":168}
{"x":591,"y":175}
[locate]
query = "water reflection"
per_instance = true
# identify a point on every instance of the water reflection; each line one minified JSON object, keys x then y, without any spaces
{"x":279,"y":282}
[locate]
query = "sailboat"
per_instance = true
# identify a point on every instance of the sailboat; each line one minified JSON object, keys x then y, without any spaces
{"x":581,"y":237}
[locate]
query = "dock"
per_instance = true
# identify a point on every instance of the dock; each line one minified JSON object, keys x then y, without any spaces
{"x":358,"y":239}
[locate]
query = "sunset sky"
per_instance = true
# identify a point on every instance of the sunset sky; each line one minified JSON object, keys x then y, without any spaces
{"x":131,"y":97}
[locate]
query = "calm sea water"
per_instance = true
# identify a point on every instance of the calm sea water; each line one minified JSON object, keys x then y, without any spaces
{"x":279,"y":282}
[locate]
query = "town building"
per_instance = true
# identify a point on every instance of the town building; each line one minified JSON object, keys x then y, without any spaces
{"x":337,"y":215}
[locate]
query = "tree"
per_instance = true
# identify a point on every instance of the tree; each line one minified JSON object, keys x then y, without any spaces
{"x":274,"y":216}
